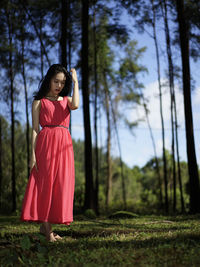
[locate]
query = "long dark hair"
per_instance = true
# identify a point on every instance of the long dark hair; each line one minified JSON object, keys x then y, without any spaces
{"x":44,"y":85}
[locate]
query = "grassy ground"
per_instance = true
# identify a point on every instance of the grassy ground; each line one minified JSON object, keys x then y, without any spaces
{"x":141,"y":241}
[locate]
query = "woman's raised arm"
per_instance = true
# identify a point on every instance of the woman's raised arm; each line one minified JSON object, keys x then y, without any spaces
{"x":35,"y":130}
{"x":73,"y":101}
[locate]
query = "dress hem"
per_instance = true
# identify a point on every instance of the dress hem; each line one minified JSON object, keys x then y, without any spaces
{"x":49,"y":221}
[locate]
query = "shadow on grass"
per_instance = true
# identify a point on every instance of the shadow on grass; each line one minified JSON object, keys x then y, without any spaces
{"x":182,"y":218}
{"x":99,"y":229}
{"x":10,"y":219}
{"x":84,"y":238}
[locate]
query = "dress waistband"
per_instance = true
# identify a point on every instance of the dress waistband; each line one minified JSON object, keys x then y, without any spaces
{"x":55,"y":126}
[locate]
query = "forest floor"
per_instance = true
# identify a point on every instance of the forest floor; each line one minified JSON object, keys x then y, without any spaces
{"x":140,"y":241}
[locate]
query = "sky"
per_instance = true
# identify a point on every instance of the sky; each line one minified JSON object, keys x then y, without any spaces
{"x":136,"y":146}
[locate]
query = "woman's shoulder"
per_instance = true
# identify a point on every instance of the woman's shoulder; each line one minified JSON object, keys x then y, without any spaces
{"x":36,"y":103}
{"x":36,"y":100}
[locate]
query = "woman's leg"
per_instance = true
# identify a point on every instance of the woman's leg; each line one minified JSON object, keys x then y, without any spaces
{"x":48,"y":227}
{"x":48,"y":232}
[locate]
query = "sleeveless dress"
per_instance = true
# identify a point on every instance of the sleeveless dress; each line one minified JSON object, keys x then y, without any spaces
{"x":49,"y":192}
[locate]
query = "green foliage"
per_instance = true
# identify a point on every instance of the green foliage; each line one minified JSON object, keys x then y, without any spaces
{"x":78,"y":148}
{"x":89,"y":213}
{"x":122,"y":214}
{"x":25,"y":243}
{"x":20,"y":164}
{"x":141,"y":184}
{"x":149,"y":181}
{"x":140,"y":241}
{"x":28,"y":250}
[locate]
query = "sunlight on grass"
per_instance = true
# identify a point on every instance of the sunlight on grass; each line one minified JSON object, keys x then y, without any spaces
{"x":140,"y":241}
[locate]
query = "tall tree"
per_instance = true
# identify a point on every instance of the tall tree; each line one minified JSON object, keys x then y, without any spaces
{"x":23,"y":38}
{"x":1,"y":170}
{"x":41,"y":49}
{"x":63,"y":38}
{"x":174,"y":121}
{"x":36,"y":28}
{"x":171,"y":86}
{"x":161,"y":106}
{"x":95,"y":113}
{"x":69,"y":47}
{"x":114,"y":116}
{"x":89,"y":188}
{"x":154,"y":149}
{"x":9,"y":17}
{"x":144,"y":16}
{"x":191,"y":154}
{"x":108,"y":143}
{"x":129,"y":89}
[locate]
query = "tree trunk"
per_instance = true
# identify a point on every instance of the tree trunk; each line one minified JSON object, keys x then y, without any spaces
{"x":69,"y":46}
{"x":69,"y":33}
{"x":37,"y":33}
{"x":173,"y":98}
{"x":191,"y":154}
{"x":161,"y":110}
{"x":63,"y":38}
{"x":108,"y":156}
{"x":10,"y":40}
{"x":120,"y":156}
{"x":95,"y":119}
{"x":26,"y":103}
{"x":89,"y":189}
{"x":155,"y":154}
{"x":175,"y":119}
{"x":1,"y":170}
{"x":65,"y":41}
{"x":171,"y":86}
{"x":178,"y":158}
{"x":41,"y":51}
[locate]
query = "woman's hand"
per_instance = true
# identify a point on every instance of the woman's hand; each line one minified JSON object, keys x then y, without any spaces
{"x":74,"y":76}
{"x":33,"y":163}
{"x":73,"y":102}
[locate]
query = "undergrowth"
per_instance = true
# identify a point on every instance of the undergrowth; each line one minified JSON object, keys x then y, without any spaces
{"x":137,"y":241}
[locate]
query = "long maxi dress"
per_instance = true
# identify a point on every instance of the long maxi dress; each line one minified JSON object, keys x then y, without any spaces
{"x":49,"y":192}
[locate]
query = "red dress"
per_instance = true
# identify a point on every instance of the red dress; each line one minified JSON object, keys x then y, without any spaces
{"x":49,"y":193}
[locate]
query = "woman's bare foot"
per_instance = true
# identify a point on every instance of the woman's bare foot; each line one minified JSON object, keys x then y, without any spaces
{"x":43,"y":231}
{"x":50,"y":237}
{"x":57,"y":236}
{"x":46,"y":230}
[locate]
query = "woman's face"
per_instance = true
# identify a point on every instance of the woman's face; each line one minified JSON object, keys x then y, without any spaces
{"x":57,"y":83}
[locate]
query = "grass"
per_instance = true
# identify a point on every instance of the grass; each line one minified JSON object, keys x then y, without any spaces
{"x":139,"y":241}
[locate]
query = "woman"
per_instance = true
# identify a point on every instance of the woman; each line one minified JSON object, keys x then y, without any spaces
{"x":50,"y":190}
